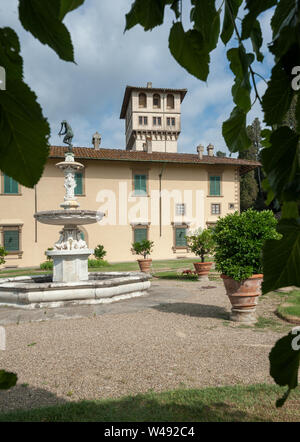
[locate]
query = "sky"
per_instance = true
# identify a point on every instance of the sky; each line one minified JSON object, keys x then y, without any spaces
{"x":89,"y":94}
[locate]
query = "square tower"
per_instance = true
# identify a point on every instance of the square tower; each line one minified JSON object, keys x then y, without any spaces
{"x":152,"y":118}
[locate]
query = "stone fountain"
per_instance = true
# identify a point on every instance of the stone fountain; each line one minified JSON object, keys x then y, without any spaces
{"x":71,"y":282}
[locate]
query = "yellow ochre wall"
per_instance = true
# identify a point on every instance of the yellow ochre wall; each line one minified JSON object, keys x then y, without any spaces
{"x":100,"y":175}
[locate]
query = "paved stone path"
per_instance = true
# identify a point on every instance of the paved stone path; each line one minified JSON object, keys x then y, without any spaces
{"x":178,"y":336}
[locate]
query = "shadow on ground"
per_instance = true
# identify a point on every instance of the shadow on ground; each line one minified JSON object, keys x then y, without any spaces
{"x":136,"y":409}
{"x":197,"y":310}
{"x":25,"y":397}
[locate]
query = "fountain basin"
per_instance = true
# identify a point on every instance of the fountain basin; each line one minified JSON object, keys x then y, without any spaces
{"x":68,"y":217}
{"x":30,"y":292}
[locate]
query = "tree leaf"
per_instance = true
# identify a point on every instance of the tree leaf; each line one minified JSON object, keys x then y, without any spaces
{"x":255,"y":7}
{"x":281,"y":258}
{"x":234,"y":131}
{"x":189,"y":50}
{"x":42,"y":20}
{"x":147,"y":13}
{"x":24,"y":134}
{"x":230,"y":13}
{"x":284,"y":364}
{"x":256,"y":39}
{"x":281,"y":162}
{"x":68,"y":6}
{"x":297,"y":113}
{"x":239,"y":64}
{"x":207,"y":21}
{"x":278,"y":96}
{"x":7,"y":380}
{"x":285,"y":15}
{"x":10,"y":57}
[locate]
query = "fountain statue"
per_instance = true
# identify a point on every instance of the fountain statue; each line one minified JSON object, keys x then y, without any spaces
{"x":71,"y":281}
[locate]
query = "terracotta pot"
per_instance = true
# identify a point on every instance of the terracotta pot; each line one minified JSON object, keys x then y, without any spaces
{"x":243,"y":296}
{"x":145,"y":265}
{"x":202,"y":270}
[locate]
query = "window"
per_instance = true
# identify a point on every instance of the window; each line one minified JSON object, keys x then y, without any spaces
{"x":173,"y":121}
{"x":142,"y":100}
{"x":168,"y":121}
{"x":214,"y":185}
{"x":140,"y":234}
{"x":159,"y":121}
{"x":180,"y":237}
{"x":180,"y":209}
{"x":79,"y":187}
{"x":140,"y":120}
{"x":154,"y":121}
{"x":170,"y":101}
{"x":11,"y":239}
{"x":216,"y":209}
{"x":140,"y":185}
{"x":156,"y":101}
{"x":143,"y":121}
{"x":10,"y":185}
{"x":231,"y":206}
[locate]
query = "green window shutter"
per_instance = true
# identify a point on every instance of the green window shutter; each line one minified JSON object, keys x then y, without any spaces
{"x":180,"y":234}
{"x":140,"y":235}
{"x":214,"y":185}
{"x":82,"y":236}
{"x":10,"y":185}
{"x":11,"y":240}
{"x":140,"y":185}
{"x":79,"y":187}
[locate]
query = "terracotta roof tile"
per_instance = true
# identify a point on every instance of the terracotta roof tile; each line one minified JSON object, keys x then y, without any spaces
{"x":160,"y":157}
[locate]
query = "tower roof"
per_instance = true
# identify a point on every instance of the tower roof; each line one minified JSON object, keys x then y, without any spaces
{"x":129,"y":89}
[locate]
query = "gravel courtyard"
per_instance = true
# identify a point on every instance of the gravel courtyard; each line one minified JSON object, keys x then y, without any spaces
{"x":178,"y":336}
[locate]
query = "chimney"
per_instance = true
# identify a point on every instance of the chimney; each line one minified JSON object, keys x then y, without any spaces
{"x":96,"y":141}
{"x":200,"y":150}
{"x":149,"y":84}
{"x":210,"y":150}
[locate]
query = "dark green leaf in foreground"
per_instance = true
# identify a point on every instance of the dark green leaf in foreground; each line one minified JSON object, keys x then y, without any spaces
{"x":68,"y":6}
{"x":207,"y":21}
{"x":189,"y":50}
{"x":278,"y":96}
{"x":239,"y":64}
{"x":281,"y":162}
{"x":234,"y":131}
{"x":7,"y":380}
{"x":281,"y":258}
{"x":42,"y":19}
{"x":10,"y":57}
{"x":256,"y":39}
{"x":230,"y":13}
{"x":284,"y":363}
{"x":147,"y":13}
{"x":255,"y":7}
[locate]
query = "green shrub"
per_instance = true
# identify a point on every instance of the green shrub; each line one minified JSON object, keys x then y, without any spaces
{"x":47,"y":265}
{"x":239,"y":241}
{"x":99,"y":252}
{"x":49,"y":258}
{"x":143,"y":248}
{"x":2,"y":254}
{"x":201,"y":242}
{"x":97,"y":263}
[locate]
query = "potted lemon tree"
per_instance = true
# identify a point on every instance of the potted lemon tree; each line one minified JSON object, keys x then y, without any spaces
{"x":201,"y":243}
{"x":144,"y":248}
{"x":239,"y":241}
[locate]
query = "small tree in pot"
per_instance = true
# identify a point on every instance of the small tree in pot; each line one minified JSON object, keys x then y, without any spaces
{"x":238,"y":255}
{"x":201,"y":243}
{"x":144,"y":248}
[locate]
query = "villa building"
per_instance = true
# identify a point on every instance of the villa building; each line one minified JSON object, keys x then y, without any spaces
{"x":146,"y":190}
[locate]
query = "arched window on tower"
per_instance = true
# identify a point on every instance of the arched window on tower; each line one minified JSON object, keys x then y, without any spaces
{"x":170,"y":101}
{"x":142,"y":100}
{"x":156,"y":101}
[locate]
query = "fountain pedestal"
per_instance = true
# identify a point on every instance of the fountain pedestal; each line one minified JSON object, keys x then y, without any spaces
{"x":70,"y":265}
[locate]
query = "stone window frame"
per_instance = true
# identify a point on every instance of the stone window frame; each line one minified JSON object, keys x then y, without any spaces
{"x":7,"y":227}
{"x":219,"y":173}
{"x":172,"y":105}
{"x":211,"y":208}
{"x":83,"y":183}
{"x":180,"y":206}
{"x":143,"y":96}
{"x":140,"y":171}
{"x":229,"y":206}
{"x":158,"y":106}
{"x":2,"y":187}
{"x":139,"y":225}
{"x":179,"y":225}
{"x":173,"y":121}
